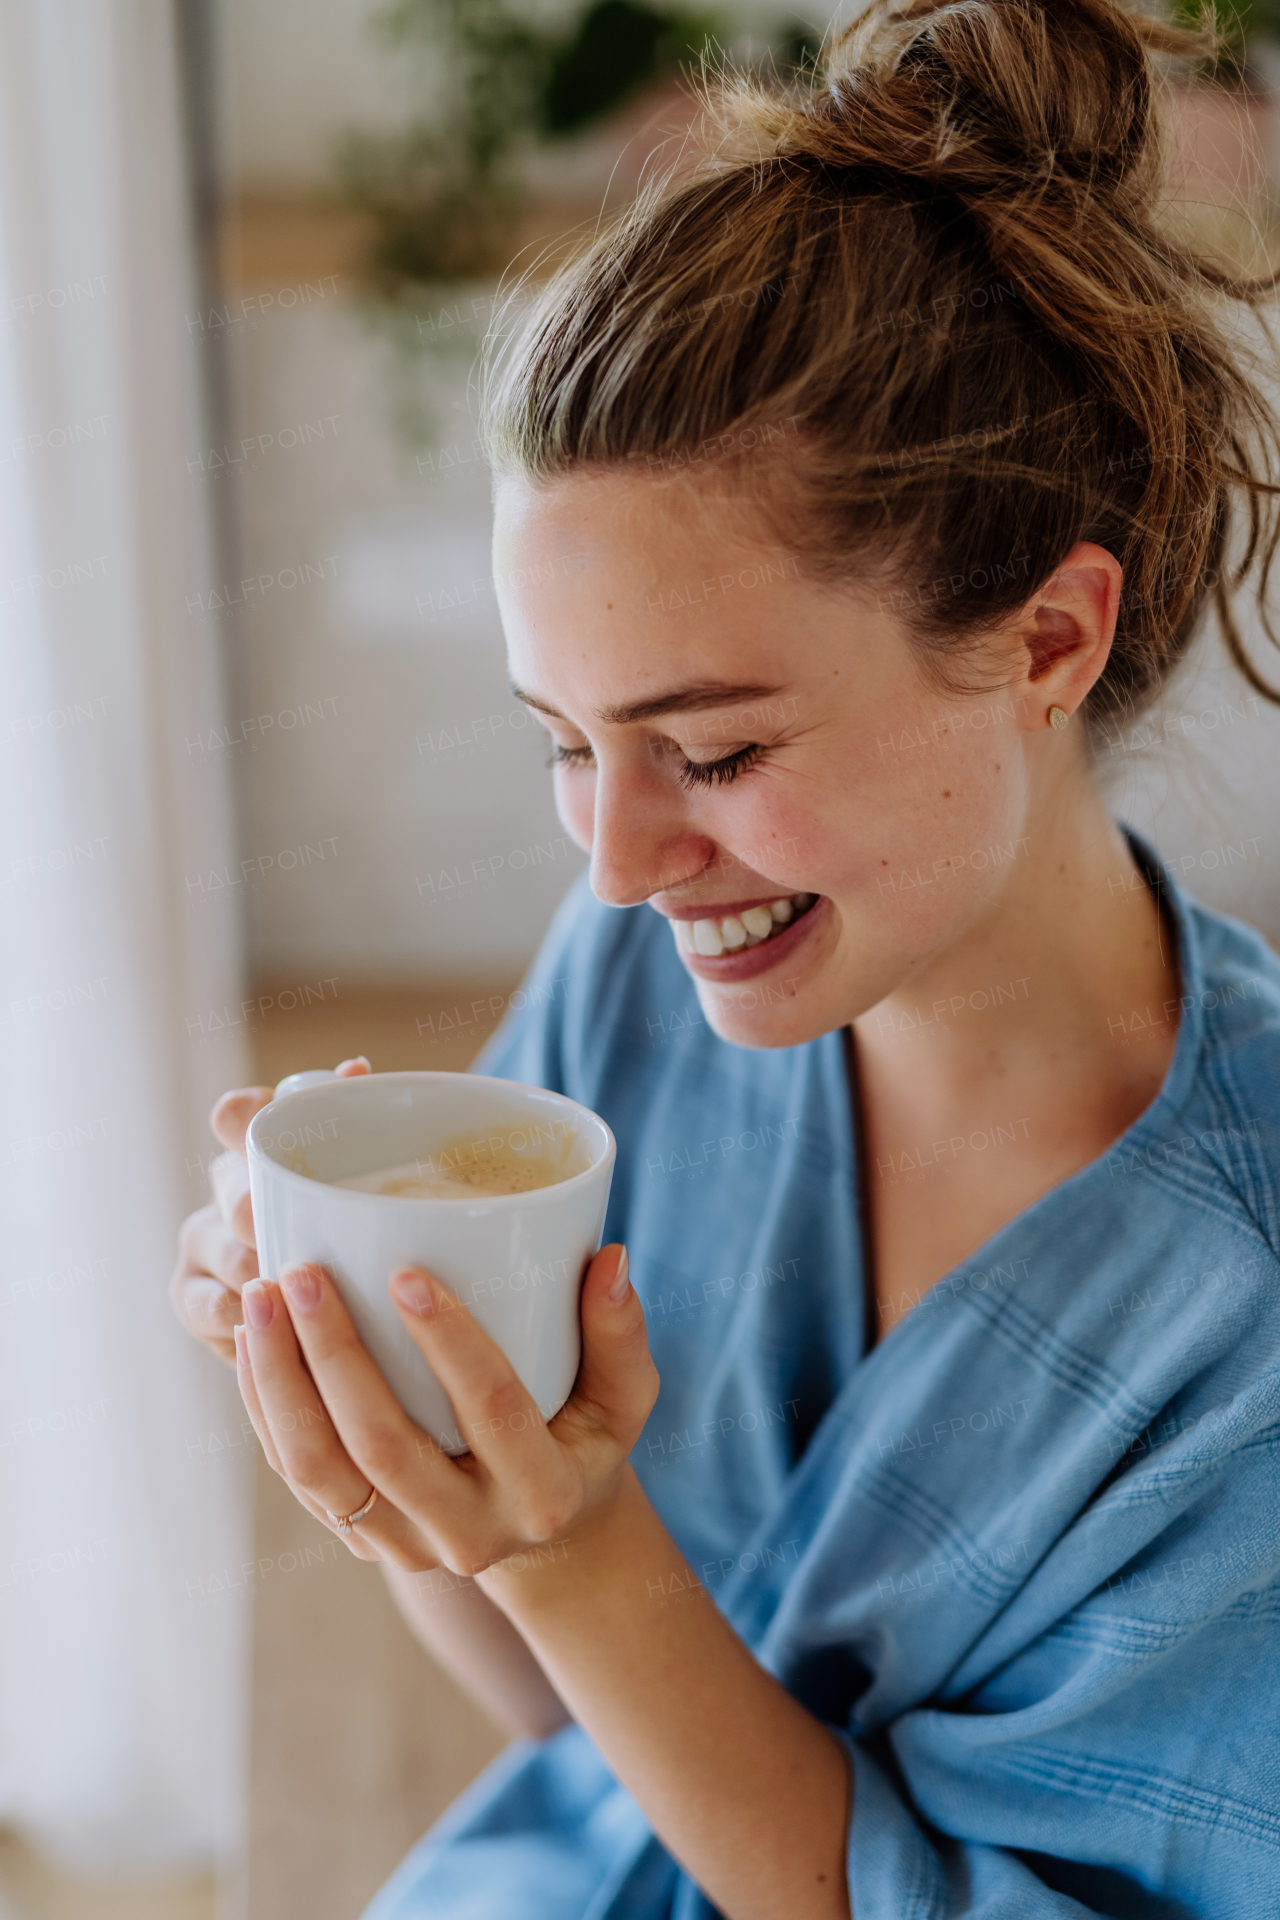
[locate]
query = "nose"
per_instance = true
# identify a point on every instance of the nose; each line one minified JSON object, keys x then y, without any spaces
{"x":641,"y":840}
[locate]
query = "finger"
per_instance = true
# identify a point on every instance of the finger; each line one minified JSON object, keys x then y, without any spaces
{"x":253,"y":1406}
{"x":388,"y":1525}
{"x":230,"y":1118}
{"x":396,"y":1455}
{"x":206,"y":1311}
{"x":208,"y":1246}
{"x":363,"y":1550}
{"x":315,"y":1456}
{"x":497,"y":1415}
{"x":229,"y":1178}
{"x":310,"y":1451}
{"x":617,"y":1381}
{"x":205,"y":1285}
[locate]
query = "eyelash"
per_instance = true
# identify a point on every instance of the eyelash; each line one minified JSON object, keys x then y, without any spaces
{"x":719,"y":773}
{"x":707,"y":773}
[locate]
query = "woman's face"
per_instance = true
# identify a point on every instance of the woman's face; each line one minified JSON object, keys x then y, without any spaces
{"x":746,"y":749}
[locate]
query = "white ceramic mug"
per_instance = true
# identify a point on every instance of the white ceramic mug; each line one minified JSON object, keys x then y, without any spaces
{"x":516,"y":1260}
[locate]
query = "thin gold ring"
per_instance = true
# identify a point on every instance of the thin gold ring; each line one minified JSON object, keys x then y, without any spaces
{"x":345,"y":1521}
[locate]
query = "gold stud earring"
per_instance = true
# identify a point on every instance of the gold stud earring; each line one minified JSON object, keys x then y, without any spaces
{"x":1058,"y":718}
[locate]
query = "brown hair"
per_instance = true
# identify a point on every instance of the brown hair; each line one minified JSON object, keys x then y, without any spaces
{"x":935,"y":273}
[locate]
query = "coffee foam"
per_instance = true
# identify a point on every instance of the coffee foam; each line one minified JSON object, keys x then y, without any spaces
{"x":516,"y":1160}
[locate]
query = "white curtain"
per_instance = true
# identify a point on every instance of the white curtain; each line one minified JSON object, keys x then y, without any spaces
{"x":125,"y":1550}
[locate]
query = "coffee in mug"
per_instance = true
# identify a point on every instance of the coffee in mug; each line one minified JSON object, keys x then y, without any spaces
{"x":502,"y":1161}
{"x":499,"y":1188}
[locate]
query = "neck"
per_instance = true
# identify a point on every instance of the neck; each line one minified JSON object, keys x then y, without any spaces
{"x":1068,"y":974}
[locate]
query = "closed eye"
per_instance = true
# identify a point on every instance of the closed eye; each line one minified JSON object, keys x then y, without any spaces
{"x":571,"y":757}
{"x":691,"y":773}
{"x":719,"y":773}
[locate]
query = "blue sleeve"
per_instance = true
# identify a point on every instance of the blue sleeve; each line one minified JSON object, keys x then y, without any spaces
{"x":899,"y":1865}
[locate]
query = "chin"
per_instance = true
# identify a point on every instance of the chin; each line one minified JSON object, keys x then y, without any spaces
{"x":752,"y":999}
{"x":764,"y":1013}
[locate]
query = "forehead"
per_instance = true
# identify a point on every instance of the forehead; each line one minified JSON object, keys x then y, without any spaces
{"x":628,"y":521}
{"x":613,"y":584}
{"x":616,"y":589}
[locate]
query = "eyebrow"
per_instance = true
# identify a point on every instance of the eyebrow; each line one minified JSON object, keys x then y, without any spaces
{"x":699,"y":697}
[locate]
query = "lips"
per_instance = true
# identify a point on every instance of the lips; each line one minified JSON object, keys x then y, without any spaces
{"x":732,"y":932}
{"x":721,"y":948}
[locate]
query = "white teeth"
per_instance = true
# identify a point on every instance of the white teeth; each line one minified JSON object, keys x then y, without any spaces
{"x":738,"y":930}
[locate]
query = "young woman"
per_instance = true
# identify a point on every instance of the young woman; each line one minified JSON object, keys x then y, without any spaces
{"x":846,"y":491}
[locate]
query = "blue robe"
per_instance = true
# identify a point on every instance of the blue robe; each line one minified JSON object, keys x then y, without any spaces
{"x":1024,"y":1555}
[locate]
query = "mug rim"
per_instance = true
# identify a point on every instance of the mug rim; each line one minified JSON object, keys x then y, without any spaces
{"x":539,"y":1195}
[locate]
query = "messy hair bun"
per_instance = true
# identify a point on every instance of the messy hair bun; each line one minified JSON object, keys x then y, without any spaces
{"x":935,"y":278}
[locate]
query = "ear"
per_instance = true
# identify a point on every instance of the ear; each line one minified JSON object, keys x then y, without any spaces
{"x":1066,"y":631}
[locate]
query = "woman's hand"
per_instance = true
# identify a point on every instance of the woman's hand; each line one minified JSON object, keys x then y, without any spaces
{"x":332,"y":1428}
{"x":216,"y":1247}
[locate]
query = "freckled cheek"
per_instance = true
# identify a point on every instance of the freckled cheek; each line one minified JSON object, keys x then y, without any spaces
{"x":934,"y":799}
{"x":787,"y":840}
{"x":976,"y":792}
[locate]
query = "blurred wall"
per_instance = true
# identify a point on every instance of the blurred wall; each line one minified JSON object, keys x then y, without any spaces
{"x":394,"y":816}
{"x":292,"y":74}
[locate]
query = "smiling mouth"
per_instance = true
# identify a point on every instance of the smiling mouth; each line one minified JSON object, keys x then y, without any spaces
{"x":735,"y":932}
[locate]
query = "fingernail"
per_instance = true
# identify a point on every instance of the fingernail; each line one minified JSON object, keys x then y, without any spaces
{"x":259,"y":1307}
{"x":414,"y":1291}
{"x":242,"y":1347}
{"x":622,"y":1279}
{"x":302,"y":1289}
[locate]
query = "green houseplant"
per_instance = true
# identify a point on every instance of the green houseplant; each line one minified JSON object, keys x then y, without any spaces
{"x":444,"y":193}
